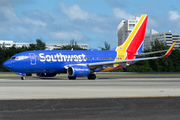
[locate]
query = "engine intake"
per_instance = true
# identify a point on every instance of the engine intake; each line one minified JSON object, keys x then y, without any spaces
{"x":78,"y":71}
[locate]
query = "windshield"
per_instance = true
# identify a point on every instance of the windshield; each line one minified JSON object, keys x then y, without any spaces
{"x":13,"y":57}
{"x":19,"y":57}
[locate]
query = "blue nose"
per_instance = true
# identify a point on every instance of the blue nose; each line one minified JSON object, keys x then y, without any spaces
{"x":8,"y":64}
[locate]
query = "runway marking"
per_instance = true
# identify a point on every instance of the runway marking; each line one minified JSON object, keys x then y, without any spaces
{"x":91,"y":98}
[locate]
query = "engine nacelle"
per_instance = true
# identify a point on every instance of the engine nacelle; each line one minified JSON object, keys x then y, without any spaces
{"x":78,"y":71}
{"x":46,"y":74}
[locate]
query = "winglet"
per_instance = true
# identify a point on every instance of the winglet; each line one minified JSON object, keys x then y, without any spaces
{"x":169,"y":51}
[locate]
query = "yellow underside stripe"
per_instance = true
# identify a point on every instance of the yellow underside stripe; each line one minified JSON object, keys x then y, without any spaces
{"x":107,"y":69}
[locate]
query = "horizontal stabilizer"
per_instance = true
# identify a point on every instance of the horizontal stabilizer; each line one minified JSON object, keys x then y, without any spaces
{"x":149,"y":53}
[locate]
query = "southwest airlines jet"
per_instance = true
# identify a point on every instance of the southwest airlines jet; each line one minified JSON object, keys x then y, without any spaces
{"x":78,"y":63}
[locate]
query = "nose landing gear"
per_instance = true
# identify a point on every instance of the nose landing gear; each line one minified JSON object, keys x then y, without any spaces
{"x":23,"y":77}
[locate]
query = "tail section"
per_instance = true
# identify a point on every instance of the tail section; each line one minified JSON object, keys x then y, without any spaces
{"x":132,"y":45}
{"x":134,"y":42}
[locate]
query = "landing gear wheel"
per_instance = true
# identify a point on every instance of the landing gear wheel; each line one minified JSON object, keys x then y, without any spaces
{"x":92,"y":77}
{"x":71,"y":78}
{"x":23,"y":77}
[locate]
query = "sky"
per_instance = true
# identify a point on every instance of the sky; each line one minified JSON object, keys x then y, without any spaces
{"x":89,"y":22}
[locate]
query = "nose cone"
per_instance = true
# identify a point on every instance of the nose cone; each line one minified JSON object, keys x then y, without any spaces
{"x":8,"y":64}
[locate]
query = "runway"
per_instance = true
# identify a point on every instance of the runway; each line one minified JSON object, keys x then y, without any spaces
{"x":102,"y":87}
{"x":106,"y":97}
{"x":167,"y":108}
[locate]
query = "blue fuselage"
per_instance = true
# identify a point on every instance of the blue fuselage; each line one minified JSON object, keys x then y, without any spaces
{"x":54,"y":61}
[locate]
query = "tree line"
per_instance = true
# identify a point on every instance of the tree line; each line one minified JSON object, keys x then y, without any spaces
{"x":169,"y":64}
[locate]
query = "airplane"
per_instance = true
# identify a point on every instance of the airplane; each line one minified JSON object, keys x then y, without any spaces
{"x":79,"y":63}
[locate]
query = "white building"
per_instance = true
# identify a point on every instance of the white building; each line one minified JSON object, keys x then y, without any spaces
{"x":56,"y":46}
{"x":166,"y":37}
{"x":125,"y":28}
{"x":8,"y":44}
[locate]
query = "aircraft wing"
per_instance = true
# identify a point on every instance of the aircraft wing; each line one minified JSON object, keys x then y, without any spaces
{"x":94,"y":65}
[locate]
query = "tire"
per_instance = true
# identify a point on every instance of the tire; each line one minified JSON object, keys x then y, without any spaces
{"x":23,"y":77}
{"x":92,"y":77}
{"x":71,"y":78}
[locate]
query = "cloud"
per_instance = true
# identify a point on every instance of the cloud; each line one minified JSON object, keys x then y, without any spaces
{"x":66,"y":35}
{"x":74,"y":12}
{"x":80,"y":20}
{"x":14,"y":2}
{"x":34,"y":22}
{"x":152,"y":22}
{"x":38,"y":15}
{"x":65,"y":24}
{"x":117,"y":3}
{"x":173,"y":15}
{"x":121,"y":14}
{"x":9,"y":15}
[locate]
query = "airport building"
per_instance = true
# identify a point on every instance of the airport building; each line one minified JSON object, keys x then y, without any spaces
{"x":166,"y":37}
{"x":9,"y":43}
{"x":125,"y":28}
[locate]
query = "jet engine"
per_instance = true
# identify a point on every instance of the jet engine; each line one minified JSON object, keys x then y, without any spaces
{"x":78,"y":71}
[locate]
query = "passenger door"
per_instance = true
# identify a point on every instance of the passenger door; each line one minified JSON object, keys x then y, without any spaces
{"x":32,"y":59}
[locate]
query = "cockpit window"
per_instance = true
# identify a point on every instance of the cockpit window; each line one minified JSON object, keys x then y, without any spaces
{"x":13,"y":57}
{"x":19,"y":57}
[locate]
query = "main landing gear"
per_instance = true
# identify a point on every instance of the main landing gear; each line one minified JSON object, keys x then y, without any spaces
{"x":91,"y":77}
{"x":71,"y":78}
